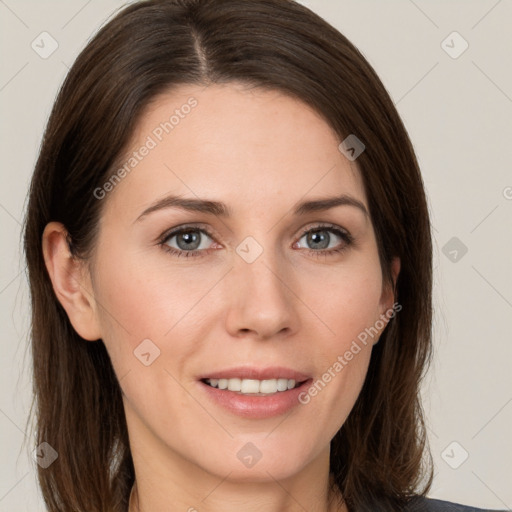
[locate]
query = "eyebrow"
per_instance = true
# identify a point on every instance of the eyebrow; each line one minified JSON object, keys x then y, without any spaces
{"x":220,"y":209}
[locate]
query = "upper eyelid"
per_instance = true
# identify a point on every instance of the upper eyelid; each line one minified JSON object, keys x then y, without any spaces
{"x":185,"y":227}
{"x":326,"y":225}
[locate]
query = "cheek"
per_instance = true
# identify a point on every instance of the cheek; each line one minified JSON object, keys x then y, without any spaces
{"x":157,"y":314}
{"x":347,"y":306}
{"x":149,"y":300}
{"x":346,"y":301}
{"x":146,"y":314}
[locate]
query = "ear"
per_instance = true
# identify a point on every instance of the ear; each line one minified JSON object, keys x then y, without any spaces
{"x":387,"y":300}
{"x":388,"y":292}
{"x":71,"y":281}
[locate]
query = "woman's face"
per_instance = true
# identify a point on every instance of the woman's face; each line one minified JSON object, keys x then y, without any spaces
{"x":256,"y":287}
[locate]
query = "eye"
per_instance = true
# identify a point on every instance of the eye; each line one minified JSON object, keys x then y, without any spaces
{"x":320,"y":239}
{"x":187,"y":241}
{"x":323,"y":240}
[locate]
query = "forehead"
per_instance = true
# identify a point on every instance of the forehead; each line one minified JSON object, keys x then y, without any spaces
{"x":244,"y":146}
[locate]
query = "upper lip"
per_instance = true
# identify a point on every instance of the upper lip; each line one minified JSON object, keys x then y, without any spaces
{"x":261,"y":373}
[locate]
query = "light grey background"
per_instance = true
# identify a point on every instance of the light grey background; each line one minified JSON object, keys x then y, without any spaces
{"x":458,"y":113}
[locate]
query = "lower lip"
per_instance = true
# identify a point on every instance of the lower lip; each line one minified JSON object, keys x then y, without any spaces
{"x":256,"y":407}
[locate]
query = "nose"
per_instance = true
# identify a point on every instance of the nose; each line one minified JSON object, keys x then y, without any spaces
{"x":262,"y":303}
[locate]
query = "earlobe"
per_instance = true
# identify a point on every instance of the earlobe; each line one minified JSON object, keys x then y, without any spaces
{"x":71,"y":282}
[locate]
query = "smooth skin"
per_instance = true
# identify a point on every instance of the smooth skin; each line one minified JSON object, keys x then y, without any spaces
{"x":298,"y":305}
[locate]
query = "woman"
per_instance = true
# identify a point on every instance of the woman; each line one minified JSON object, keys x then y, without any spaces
{"x":229,"y":252}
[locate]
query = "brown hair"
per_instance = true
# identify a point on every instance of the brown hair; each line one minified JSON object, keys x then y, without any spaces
{"x":378,"y":456}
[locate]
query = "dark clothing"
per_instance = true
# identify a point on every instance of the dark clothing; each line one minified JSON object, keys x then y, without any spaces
{"x":433,"y":505}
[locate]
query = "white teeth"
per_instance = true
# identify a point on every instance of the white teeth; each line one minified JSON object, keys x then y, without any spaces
{"x":234,"y":384}
{"x":252,"y":386}
{"x":282,"y":384}
{"x":268,"y":386}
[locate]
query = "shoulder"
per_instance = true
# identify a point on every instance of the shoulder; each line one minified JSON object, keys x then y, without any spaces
{"x":434,"y":505}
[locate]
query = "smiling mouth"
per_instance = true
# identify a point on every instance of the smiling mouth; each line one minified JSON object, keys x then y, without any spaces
{"x":253,"y":386}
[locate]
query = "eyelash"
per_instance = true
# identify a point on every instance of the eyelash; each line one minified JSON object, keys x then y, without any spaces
{"x":344,"y":235}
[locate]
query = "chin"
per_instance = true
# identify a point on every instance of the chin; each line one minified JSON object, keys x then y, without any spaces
{"x":261,"y":458}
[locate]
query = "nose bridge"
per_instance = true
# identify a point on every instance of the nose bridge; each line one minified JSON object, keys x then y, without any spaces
{"x":261,"y":292}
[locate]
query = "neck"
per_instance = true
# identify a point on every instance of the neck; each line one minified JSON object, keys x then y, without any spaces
{"x":335,"y":504}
